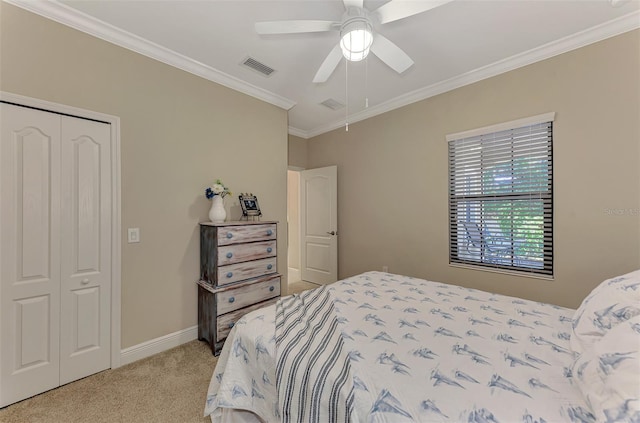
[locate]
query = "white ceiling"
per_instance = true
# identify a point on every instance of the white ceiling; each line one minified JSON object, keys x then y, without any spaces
{"x":452,"y":45}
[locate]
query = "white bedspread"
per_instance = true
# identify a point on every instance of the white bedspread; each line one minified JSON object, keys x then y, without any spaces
{"x":421,"y":351}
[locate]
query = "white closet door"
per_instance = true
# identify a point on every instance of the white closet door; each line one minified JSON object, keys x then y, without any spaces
{"x":29,"y":251}
{"x":86,"y":249}
{"x":55,"y":249}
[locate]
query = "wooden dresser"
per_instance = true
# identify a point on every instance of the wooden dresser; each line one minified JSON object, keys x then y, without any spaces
{"x":238,"y":274}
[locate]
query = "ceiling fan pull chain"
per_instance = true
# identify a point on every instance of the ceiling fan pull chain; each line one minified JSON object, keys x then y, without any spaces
{"x":366,"y":82}
{"x":346,"y":94}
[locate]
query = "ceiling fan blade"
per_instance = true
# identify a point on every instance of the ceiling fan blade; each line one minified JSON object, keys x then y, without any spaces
{"x":400,"y":9}
{"x":390,"y":54}
{"x":293,"y":27}
{"x":353,"y":3}
{"x":329,"y":65}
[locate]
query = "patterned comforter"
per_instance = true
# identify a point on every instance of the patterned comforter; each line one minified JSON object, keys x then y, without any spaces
{"x":400,"y":349}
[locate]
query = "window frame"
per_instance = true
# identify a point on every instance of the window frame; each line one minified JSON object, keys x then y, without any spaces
{"x":478,"y":259}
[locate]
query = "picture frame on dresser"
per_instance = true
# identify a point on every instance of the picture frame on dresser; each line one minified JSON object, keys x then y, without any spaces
{"x":249,"y":205}
{"x":238,"y":274}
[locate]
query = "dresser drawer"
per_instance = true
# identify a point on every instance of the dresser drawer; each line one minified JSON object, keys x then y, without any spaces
{"x":241,"y":271}
{"x":227,"y":321}
{"x":234,"y":299}
{"x":230,"y":254}
{"x":246,"y":233}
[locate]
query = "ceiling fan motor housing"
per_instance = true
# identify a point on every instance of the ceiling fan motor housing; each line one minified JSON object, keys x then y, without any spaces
{"x":356,"y":34}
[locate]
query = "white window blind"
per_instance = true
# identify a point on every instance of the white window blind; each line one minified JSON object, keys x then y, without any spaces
{"x":501,"y":197}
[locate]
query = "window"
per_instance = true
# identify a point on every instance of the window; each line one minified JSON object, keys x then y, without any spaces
{"x":501,"y":197}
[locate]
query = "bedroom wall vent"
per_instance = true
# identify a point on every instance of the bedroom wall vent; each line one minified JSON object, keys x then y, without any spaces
{"x":332,"y":104}
{"x":257,"y":66}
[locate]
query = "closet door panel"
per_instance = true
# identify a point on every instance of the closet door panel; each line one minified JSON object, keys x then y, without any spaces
{"x":29,"y":251}
{"x":86,"y":258}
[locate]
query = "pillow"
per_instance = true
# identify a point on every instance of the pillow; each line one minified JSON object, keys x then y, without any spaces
{"x":609,"y":374}
{"x":610,"y":303}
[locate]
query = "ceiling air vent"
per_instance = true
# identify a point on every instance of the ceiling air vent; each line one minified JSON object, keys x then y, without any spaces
{"x":252,"y":63}
{"x":332,"y":104}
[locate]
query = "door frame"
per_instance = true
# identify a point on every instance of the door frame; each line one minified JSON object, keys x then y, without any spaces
{"x":116,"y":209}
{"x":296,"y":169}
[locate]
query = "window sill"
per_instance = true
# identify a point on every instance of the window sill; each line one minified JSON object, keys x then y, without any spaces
{"x":504,"y":272}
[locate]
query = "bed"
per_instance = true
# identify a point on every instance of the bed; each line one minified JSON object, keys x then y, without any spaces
{"x":379,"y":347}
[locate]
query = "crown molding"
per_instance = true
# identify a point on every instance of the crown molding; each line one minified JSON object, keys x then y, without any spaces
{"x":298,"y":132}
{"x":73,"y":18}
{"x":592,"y":35}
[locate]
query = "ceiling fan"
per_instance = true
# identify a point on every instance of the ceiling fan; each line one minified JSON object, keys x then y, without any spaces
{"x":357,"y":35}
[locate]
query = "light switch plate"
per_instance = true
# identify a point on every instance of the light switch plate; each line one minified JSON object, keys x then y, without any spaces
{"x":133,"y":235}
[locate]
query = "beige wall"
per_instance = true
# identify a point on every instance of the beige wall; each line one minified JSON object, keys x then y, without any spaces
{"x":297,"y":152}
{"x":179,"y":133}
{"x":392,"y":195}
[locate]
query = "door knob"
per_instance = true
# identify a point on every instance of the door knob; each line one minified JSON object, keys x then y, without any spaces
{"x":84,"y":281}
{"x":332,"y":233}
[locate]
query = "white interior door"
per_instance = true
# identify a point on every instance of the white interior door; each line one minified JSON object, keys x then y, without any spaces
{"x":86,"y":249}
{"x":319,"y":225}
{"x":29,"y":251}
{"x":55,"y":250}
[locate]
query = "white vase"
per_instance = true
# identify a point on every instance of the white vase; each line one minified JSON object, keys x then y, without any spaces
{"x":217,"y":213}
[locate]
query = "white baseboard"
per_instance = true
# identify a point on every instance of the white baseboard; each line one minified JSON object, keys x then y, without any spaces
{"x":294,"y":274}
{"x":158,"y":345}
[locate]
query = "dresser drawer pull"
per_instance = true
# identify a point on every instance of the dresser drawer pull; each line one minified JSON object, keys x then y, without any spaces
{"x":269,"y":232}
{"x":269,"y":249}
{"x":229,"y":274}
{"x":271,"y":288}
{"x":229,"y":255}
{"x":229,"y":235}
{"x":231,"y":299}
{"x":231,"y":325}
{"x":269,"y":266}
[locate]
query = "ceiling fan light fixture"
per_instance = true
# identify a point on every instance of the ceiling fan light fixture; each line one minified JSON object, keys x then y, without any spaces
{"x":356,"y":39}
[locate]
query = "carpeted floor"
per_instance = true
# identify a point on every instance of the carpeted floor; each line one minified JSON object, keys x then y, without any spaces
{"x":167,"y":387}
{"x":299,"y":286}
